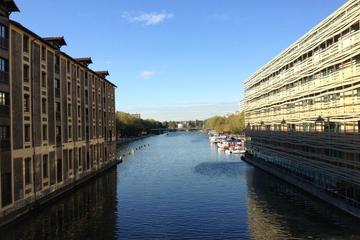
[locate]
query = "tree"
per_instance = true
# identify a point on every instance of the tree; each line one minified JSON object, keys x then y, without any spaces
{"x":234,"y":123}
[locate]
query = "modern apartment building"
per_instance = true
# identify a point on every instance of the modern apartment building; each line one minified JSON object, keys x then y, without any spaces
{"x":302,"y":111}
{"x":57,"y":117}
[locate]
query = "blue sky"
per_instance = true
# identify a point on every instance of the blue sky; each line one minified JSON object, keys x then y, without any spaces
{"x":176,"y":59}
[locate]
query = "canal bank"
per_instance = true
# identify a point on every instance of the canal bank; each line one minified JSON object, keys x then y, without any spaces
{"x":302,"y":184}
{"x":132,"y":139}
{"x":37,"y":203}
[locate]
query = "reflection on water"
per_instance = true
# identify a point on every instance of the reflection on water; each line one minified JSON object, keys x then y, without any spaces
{"x":87,"y":213}
{"x":213,"y":169}
{"x":180,"y":187}
{"x":280,"y":211}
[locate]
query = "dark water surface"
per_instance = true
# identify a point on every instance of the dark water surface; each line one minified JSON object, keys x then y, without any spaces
{"x":180,"y":187}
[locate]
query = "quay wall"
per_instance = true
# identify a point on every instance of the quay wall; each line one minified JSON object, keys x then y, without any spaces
{"x":43,"y":200}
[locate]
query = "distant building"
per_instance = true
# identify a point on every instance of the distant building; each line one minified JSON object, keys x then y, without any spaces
{"x":57,"y":117}
{"x":180,"y":125}
{"x":136,"y":115}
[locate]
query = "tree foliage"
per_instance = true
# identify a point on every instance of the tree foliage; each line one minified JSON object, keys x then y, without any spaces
{"x":234,"y":123}
{"x":130,"y":126}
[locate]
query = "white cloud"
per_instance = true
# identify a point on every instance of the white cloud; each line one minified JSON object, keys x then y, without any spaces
{"x":148,"y":18}
{"x":147,"y":74}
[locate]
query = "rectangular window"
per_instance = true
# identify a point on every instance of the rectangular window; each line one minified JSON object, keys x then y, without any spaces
{"x":26,"y":73}
{"x":4,"y":133}
{"x":69,"y":109}
{"x":79,"y":163}
{"x":45,"y":166}
{"x":26,"y":43}
{"x":68,"y":66}
{"x":79,"y":111}
{"x":58,"y":107}
{"x":4,"y":98}
{"x":59,"y":170}
{"x":44,"y":132}
{"x":27,"y":171}
{"x":78,"y":91}
{"x":43,"y":53}
{"x":69,"y":88}
{"x":4,"y":42}
{"x":26,"y":103}
{"x":58,"y":131}
{"x":70,"y":132}
{"x":70,"y":159}
{"x":43,"y":79}
{"x":3,"y":65}
{"x":27,"y":133}
{"x":44,"y":105}
{"x":57,"y":83}
{"x":4,"y":76}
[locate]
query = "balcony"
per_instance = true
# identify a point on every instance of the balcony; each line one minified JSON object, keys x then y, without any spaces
{"x":4,"y":77}
{"x":4,"y":43}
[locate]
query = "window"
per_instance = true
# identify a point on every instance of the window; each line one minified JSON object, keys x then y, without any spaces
{"x":26,"y":43}
{"x":3,"y":37}
{"x":69,"y":88}
{"x":79,"y":111}
{"x":70,"y":159}
{"x":26,"y":103}
{"x":70,"y":132}
{"x":57,"y":60}
{"x":45,"y":166}
{"x":4,"y":77}
{"x":69,"y":109}
{"x":4,"y":99}
{"x":44,"y":105}
{"x":57,"y":83}
{"x":43,"y":79}
{"x":58,"y":131}
{"x":27,"y":133}
{"x":3,"y":65}
{"x":58,"y":107}
{"x":68,"y":66}
{"x":59,"y":170}
{"x":78,"y":91}
{"x":27,"y":171}
{"x":43,"y":53}
{"x":79,"y":163}
{"x":44,"y":132}
{"x":4,"y":133}
{"x":26,"y":73}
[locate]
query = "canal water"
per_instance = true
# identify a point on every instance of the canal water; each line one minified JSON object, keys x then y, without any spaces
{"x":178,"y":186}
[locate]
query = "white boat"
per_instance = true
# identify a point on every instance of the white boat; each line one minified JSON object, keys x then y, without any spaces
{"x":238,"y":151}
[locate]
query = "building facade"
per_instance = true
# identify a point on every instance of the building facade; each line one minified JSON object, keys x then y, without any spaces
{"x":57,"y":117}
{"x":302,"y":109}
